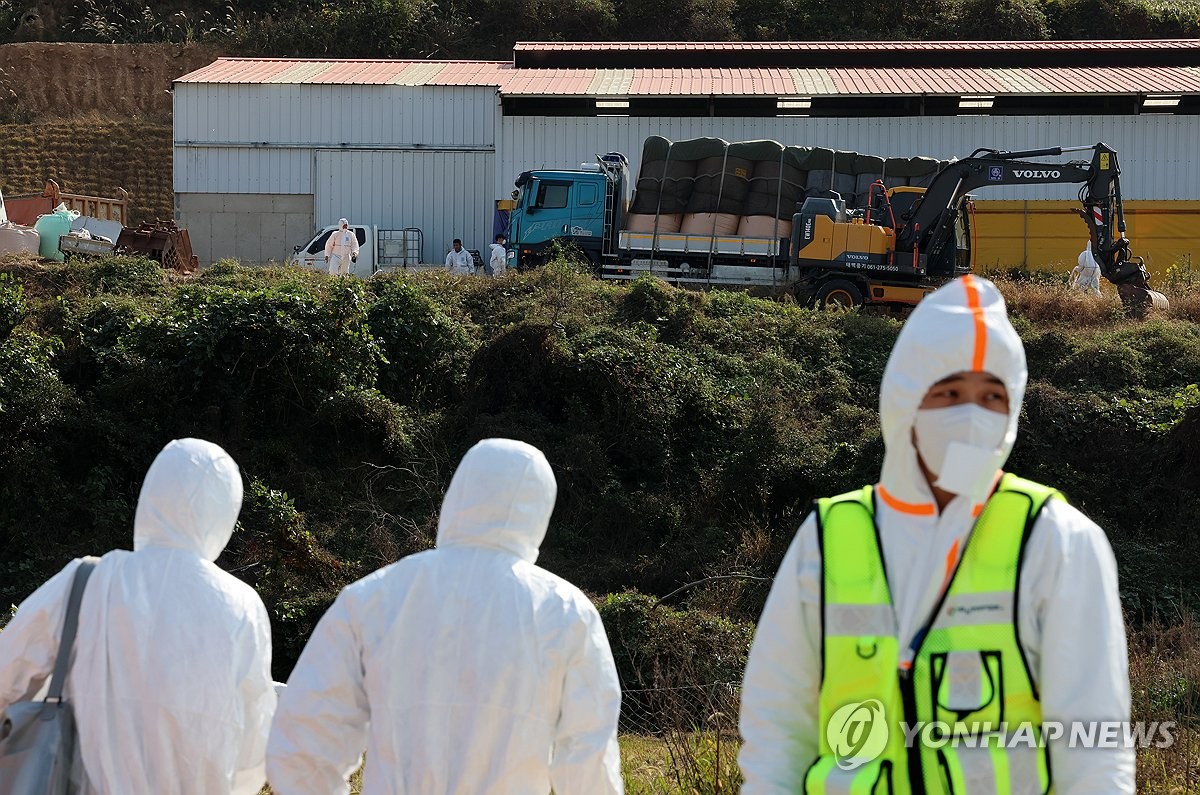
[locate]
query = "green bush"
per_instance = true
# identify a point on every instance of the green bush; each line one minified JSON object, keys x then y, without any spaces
{"x":12,"y":304}
{"x":117,"y":275}
{"x":657,"y":646}
{"x":427,"y":352}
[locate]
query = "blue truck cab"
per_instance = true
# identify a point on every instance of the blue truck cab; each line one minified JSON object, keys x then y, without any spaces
{"x":582,"y":207}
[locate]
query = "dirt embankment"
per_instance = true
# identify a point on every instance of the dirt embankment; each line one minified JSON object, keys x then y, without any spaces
{"x":115,"y":81}
{"x":94,"y":117}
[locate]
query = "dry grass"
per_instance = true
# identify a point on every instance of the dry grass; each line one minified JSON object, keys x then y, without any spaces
{"x":93,"y":156}
{"x":1047,"y":299}
{"x":1164,"y":677}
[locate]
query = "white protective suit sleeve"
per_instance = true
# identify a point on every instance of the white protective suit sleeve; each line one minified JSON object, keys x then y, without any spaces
{"x":498,"y":258}
{"x":586,"y":755}
{"x":1071,"y":610}
{"x":779,"y":714}
{"x":258,"y":707}
{"x":320,"y":726}
{"x":29,"y":644}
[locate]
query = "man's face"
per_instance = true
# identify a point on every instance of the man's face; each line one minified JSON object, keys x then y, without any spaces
{"x":345,"y":226}
{"x":457,"y":247}
{"x":982,"y":389}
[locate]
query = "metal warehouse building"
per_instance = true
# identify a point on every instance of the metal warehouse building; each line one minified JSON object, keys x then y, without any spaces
{"x":268,"y":150}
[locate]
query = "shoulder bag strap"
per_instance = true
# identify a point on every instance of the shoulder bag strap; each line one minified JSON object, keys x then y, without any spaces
{"x":70,"y":624}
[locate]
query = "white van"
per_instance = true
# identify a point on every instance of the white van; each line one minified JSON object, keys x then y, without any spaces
{"x":378,"y":249}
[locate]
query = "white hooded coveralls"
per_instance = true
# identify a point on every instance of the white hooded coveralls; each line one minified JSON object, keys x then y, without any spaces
{"x":340,"y":247}
{"x":460,"y":263}
{"x":498,"y":259}
{"x":1069,"y":612}
{"x":171,"y":675}
{"x":1086,"y":273}
{"x":461,"y":670}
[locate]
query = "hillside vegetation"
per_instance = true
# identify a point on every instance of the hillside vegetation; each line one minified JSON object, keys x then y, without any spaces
{"x":94,"y":157}
{"x":454,"y":29}
{"x":688,"y":432}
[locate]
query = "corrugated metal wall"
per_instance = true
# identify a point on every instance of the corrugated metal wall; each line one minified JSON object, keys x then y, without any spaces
{"x":333,"y":115}
{"x":261,"y":138}
{"x":1158,"y":153}
{"x":397,"y":156}
{"x":444,"y":194}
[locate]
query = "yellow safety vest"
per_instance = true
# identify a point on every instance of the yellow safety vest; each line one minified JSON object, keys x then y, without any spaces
{"x":969,"y":684}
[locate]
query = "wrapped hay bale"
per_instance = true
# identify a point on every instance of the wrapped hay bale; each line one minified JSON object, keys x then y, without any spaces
{"x":776,"y":187}
{"x":637,"y":222}
{"x":767,"y":226}
{"x":718,"y":224}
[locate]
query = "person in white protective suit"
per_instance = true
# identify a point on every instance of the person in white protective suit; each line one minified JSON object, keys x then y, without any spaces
{"x":851,"y":599}
{"x":341,"y":249}
{"x":171,"y":677}
{"x":459,"y":261}
{"x":498,"y":257}
{"x":460,"y":670}
{"x":1086,"y":273}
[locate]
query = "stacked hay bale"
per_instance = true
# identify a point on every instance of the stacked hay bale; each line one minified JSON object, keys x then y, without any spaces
{"x":707,"y":186}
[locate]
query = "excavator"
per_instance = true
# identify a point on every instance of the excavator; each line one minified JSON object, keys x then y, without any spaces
{"x":907,"y":239}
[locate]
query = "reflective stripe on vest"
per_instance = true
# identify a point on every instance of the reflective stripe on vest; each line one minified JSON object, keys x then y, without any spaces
{"x":969,"y":686}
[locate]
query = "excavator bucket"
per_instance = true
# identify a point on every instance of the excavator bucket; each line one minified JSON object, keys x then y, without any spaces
{"x":1140,"y":300}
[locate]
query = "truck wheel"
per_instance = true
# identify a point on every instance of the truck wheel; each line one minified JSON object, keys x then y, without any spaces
{"x":838,"y":293}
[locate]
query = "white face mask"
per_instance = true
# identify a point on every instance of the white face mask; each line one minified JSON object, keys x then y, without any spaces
{"x":961,"y":445}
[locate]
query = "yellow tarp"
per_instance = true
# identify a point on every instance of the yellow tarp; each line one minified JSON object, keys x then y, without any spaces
{"x":1047,"y":235}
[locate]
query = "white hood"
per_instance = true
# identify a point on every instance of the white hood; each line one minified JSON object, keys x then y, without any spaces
{"x":963,"y":326}
{"x":190,"y":499}
{"x":501,"y":496}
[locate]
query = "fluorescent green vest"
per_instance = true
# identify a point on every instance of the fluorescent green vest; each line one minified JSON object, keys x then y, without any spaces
{"x":969,"y":683}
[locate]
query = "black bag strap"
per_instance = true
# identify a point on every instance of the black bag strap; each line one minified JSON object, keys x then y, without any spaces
{"x":70,"y":624}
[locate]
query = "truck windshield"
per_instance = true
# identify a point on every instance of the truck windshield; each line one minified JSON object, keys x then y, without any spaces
{"x":552,"y":195}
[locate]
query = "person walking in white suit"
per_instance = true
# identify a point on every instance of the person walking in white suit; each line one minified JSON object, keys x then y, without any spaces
{"x":462,"y":670}
{"x":341,"y":249}
{"x":171,"y":678}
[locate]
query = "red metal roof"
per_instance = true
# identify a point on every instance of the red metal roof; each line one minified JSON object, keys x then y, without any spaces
{"x":341,"y":71}
{"x":655,"y":82}
{"x":874,"y":46}
{"x":916,"y":81}
{"x":709,"y":82}
{"x":547,"y":82}
{"x":1120,"y":81}
{"x":473,"y":73}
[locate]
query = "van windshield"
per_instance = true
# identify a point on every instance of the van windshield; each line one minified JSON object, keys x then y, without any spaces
{"x":318,"y":244}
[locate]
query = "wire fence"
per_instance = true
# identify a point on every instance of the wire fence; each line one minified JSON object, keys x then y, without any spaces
{"x":681,"y":739}
{"x":654,"y":711}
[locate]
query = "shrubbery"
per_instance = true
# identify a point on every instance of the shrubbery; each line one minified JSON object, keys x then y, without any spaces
{"x":689,"y":432}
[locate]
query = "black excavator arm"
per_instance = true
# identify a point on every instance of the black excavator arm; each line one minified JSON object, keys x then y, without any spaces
{"x":929,"y":225}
